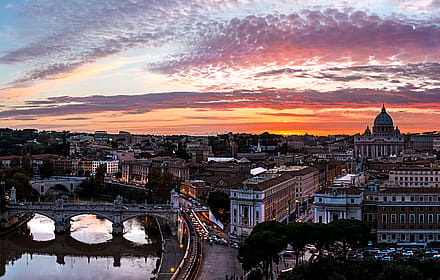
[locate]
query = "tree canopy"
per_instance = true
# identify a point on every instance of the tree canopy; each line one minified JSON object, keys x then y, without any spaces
{"x":269,"y":238}
{"x":160,"y":184}
{"x":261,"y":248}
{"x":19,"y":178}
{"x":47,"y":168}
{"x":219,"y":203}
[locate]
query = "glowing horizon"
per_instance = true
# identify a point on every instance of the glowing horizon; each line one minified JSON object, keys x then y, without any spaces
{"x":209,"y":67}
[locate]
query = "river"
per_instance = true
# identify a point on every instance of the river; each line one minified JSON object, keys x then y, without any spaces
{"x":89,"y":251}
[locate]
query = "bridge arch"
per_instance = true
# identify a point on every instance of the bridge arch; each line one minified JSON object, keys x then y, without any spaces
{"x":42,"y":213}
{"x":164,"y":216}
{"x":108,"y":218}
{"x":57,"y":187}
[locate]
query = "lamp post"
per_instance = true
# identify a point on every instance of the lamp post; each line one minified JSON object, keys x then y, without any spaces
{"x":288,"y":210}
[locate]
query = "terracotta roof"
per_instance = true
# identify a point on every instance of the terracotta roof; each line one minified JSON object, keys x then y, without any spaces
{"x":263,"y":185}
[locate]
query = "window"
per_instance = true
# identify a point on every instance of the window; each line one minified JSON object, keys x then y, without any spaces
{"x":402,"y":198}
{"x":352,"y":200}
{"x":412,"y":218}
{"x":412,"y":198}
{"x":421,"y":218}
{"x":430,"y":218}
{"x":385,"y":198}
{"x":384,"y":236}
{"x":394,"y":198}
{"x":438,"y":218}
{"x":257,"y":214}
{"x":393,"y":218}
{"x":402,"y":218}
{"x":235,"y":212}
{"x":402,"y":237}
{"x":430,"y":198}
{"x":420,"y":198}
{"x":384,"y":218}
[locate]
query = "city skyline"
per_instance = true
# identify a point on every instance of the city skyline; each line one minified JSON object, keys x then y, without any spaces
{"x":207,"y":67}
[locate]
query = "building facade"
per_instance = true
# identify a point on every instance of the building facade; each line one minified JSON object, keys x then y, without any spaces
{"x":335,"y":203}
{"x":384,"y":141}
{"x":408,"y":215}
{"x":259,"y":199}
{"x":416,"y":176}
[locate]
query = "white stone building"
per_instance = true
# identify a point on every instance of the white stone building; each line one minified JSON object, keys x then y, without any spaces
{"x":385,"y":140}
{"x":263,"y":198}
{"x":335,"y":203}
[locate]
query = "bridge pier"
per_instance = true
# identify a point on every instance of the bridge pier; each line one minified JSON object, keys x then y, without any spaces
{"x":4,"y":220}
{"x":62,"y":227}
{"x":118,"y":229}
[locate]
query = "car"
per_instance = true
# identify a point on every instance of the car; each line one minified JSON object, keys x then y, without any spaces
{"x":436,"y":256}
{"x":235,"y":245}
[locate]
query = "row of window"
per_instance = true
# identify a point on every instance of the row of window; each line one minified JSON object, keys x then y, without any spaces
{"x":416,"y":179}
{"x":406,"y":184}
{"x":420,"y":198}
{"x":415,"y":172}
{"x":246,"y":213}
{"x":411,"y":237}
{"x":412,"y":218}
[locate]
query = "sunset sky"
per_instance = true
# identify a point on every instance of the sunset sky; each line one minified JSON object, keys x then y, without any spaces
{"x":206,"y":67}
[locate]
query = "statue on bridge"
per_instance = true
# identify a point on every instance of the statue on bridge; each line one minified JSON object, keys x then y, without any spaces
{"x":118,"y":201}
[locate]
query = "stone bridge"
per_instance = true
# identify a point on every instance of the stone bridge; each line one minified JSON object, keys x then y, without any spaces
{"x":65,"y":245}
{"x":69,"y":183}
{"x":61,"y":211}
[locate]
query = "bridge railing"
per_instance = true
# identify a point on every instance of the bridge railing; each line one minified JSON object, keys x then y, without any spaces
{"x":92,"y":206}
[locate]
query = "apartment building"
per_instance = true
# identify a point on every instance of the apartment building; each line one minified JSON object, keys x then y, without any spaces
{"x":408,"y":215}
{"x":416,"y":176}
{"x":259,"y":199}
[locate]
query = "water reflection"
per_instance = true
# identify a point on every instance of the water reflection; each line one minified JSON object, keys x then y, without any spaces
{"x":34,"y":252}
{"x":136,"y":230}
{"x":42,"y":228}
{"x":90,"y":229}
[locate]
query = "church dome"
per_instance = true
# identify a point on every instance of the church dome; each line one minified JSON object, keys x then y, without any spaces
{"x":383,"y":118}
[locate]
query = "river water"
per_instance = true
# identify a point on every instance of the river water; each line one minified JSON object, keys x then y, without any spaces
{"x":88,"y":252}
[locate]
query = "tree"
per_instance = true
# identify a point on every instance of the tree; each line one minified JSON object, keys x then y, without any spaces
{"x":26,"y":163}
{"x":353,"y":232}
{"x":400,"y":271}
{"x":323,"y":235}
{"x":19,"y":178}
{"x":261,"y":249}
{"x":160,"y":184}
{"x":299,"y":235}
{"x":219,"y":203}
{"x":47,"y":168}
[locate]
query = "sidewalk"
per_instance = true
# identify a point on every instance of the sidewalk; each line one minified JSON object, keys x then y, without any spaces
{"x":172,"y":254}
